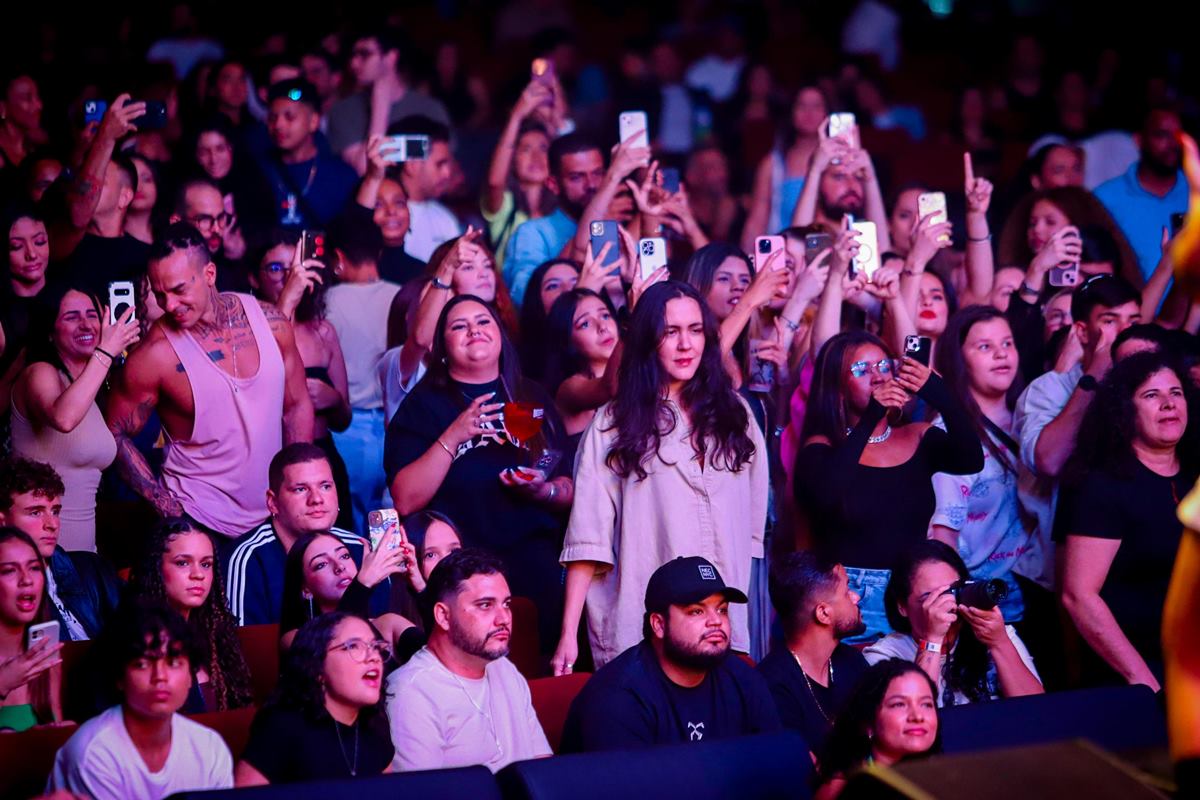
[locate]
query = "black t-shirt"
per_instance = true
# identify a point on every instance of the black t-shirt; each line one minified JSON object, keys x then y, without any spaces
{"x":1138,"y":511}
{"x":98,"y":261}
{"x":15,"y":315}
{"x":287,"y":747}
{"x":630,"y":702}
{"x":397,"y":266}
{"x":523,"y":532}
{"x":807,"y":706}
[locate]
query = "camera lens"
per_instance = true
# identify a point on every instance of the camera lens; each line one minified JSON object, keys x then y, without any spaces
{"x":119,"y":310}
{"x":764,"y":247}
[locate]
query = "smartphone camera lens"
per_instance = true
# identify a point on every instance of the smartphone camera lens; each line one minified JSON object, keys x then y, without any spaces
{"x":764,"y":246}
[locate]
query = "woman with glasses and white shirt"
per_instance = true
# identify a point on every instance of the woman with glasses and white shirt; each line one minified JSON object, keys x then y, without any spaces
{"x":325,"y":720}
{"x":863,"y":478}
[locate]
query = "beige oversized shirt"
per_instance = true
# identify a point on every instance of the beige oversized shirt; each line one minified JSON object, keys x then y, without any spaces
{"x":636,"y":526}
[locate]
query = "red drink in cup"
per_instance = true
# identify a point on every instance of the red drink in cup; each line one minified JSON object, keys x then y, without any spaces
{"x":523,"y":420}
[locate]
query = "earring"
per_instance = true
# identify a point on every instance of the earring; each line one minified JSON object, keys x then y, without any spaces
{"x":311,"y":615}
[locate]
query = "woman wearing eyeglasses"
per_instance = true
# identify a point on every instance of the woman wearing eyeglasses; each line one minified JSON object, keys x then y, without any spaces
{"x":863,"y":477}
{"x":325,"y":720}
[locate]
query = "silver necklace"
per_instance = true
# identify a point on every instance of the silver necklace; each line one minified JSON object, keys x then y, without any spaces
{"x":883,"y":437}
{"x":808,"y":683}
{"x":352,"y":767}
{"x":478,"y":709}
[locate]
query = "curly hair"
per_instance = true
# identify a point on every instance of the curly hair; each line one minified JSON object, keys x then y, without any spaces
{"x":301,"y":684}
{"x":640,"y":414}
{"x":24,"y":475}
{"x":213,"y":624}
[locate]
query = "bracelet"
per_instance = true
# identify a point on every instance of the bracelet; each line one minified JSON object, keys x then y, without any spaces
{"x":447,"y":449}
{"x":553,"y":491}
{"x":794,"y":327}
{"x":111,"y":357}
{"x":438,"y":284}
{"x":987,"y":238}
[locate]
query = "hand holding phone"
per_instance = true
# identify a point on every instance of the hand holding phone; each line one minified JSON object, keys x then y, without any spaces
{"x":933,"y":206}
{"x":406,"y":147}
{"x":602,"y":232}
{"x":633,"y":129}
{"x":652,"y":254}
{"x":866,"y":262}
{"x":764,"y":248}
{"x":918,"y":348}
{"x":47,"y":632}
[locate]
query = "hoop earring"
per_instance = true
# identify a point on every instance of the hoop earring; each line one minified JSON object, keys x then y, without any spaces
{"x":311,"y":615}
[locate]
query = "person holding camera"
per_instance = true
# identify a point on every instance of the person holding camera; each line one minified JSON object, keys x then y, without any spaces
{"x":929,"y":598}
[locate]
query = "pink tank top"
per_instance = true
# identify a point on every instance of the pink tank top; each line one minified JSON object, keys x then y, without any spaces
{"x":220,"y":473}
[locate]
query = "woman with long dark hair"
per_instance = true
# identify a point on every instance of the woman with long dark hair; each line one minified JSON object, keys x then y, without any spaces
{"x":180,"y":569}
{"x":980,"y":515}
{"x":30,"y":681}
{"x":983,"y":659}
{"x":55,"y":418}
{"x":583,"y":339}
{"x":468,"y":441}
{"x":23,"y":279}
{"x":214,"y":151}
{"x":863,"y":477}
{"x":325,"y":720}
{"x":673,"y":466}
{"x":1135,"y":459}
{"x":891,"y":717}
{"x":549,"y":281}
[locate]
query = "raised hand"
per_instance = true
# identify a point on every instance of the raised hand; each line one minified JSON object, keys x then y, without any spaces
{"x":469,"y":423}
{"x":913,"y":375}
{"x":1064,"y":247}
{"x":978,"y":190}
{"x":594,"y":275}
{"x":118,"y":119}
{"x":928,"y":238}
{"x":117,"y":337}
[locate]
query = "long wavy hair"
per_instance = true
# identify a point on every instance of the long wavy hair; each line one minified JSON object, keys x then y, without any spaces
{"x":640,"y":414}
{"x":533,"y":349}
{"x":1106,"y":435}
{"x":849,"y":742}
{"x":565,"y":357}
{"x":826,"y":414}
{"x":39,"y":687}
{"x":953,"y":369}
{"x":968,"y":665}
{"x":215,"y":627}
{"x":506,"y":310}
{"x":39,"y":341}
{"x":301,"y":683}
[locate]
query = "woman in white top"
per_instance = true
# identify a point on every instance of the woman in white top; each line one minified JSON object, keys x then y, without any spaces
{"x":673,"y":466}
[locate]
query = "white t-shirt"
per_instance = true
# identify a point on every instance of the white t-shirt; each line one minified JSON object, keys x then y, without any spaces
{"x":359,"y":313}
{"x":395,"y":390}
{"x":429,"y":224}
{"x":101,"y":762}
{"x":441,"y":720}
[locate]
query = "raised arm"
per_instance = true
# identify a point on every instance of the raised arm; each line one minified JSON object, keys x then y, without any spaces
{"x":297,"y":404}
{"x":626,"y":158}
{"x":759,"y":216}
{"x":83,"y":194}
{"x":535,"y":95}
{"x":980,"y":262}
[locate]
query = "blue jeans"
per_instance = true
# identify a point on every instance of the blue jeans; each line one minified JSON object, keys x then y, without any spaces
{"x":361,"y":446}
{"x":869,"y":585}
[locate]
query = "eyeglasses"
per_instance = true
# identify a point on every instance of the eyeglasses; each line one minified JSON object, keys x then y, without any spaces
{"x":859,"y":369}
{"x":208,"y":220}
{"x":275,"y":267}
{"x":359,"y":650}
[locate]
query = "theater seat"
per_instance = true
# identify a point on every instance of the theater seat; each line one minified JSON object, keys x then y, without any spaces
{"x":525,"y":648}
{"x":27,"y":758}
{"x":1115,"y":717}
{"x":234,"y":727}
{"x":767,"y":766}
{"x":476,"y":783}
{"x":552,"y":699}
{"x":260,"y":646}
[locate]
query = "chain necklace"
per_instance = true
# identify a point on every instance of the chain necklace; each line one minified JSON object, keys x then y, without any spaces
{"x":479,"y":710}
{"x":808,"y":683}
{"x":881,"y":438}
{"x":352,"y":767}
{"x":232,"y":344}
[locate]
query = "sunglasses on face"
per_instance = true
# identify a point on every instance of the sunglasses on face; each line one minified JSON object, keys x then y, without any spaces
{"x":859,"y":369}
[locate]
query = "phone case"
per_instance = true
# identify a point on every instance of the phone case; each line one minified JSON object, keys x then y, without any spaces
{"x":670,"y":179}
{"x":43,"y":630}
{"x":313,"y":245}
{"x":918,"y":348}
{"x":382,"y":524}
{"x":120,"y":298}
{"x":652,"y":254}
{"x":764,"y":246}
{"x":631,"y":123}
{"x":604,"y":231}
{"x":815,"y":244}
{"x":932,"y":203}
{"x":843,"y":125}
{"x":867,"y":260}
{"x":1064,"y":276}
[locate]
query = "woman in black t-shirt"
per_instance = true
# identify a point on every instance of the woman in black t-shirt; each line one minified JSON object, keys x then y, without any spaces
{"x":1134,"y":462}
{"x":459,"y":444}
{"x":325,"y":720}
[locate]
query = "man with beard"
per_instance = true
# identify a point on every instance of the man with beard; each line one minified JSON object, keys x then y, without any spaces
{"x":813,"y":673}
{"x":680,"y":684}
{"x":1144,"y":198}
{"x":585,"y":192}
{"x":224,"y":374}
{"x":199,"y":203}
{"x":459,"y":701}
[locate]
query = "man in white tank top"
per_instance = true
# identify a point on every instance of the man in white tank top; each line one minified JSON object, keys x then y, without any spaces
{"x":223,"y":372}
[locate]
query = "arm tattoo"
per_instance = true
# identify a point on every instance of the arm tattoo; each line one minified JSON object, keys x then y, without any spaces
{"x":132,"y":465}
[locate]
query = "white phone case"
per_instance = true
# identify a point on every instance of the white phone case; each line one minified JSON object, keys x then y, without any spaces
{"x":631,"y":123}
{"x":652,"y":254}
{"x":867,"y":260}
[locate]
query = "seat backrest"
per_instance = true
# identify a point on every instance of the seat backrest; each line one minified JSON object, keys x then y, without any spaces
{"x":26,"y":759}
{"x":767,"y":766}
{"x":525,"y":648}
{"x":234,"y":727}
{"x":260,"y":646}
{"x":1114,"y":717}
{"x":552,"y":698}
{"x":477,"y":783}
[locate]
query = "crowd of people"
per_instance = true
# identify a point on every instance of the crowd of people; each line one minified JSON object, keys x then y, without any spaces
{"x":707,"y":357}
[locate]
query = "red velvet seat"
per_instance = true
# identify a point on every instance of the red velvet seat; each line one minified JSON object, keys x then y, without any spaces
{"x":552,"y":699}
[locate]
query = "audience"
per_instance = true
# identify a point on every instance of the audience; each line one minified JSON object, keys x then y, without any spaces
{"x":30,"y":681}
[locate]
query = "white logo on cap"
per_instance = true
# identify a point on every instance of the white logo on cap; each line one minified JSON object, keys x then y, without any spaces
{"x":707,"y":573}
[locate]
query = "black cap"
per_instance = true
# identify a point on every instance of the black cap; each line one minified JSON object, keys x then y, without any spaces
{"x":684,"y":581}
{"x":296,"y":89}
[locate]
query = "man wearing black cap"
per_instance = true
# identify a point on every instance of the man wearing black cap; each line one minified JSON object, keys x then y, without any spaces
{"x":311,"y":186}
{"x":679,"y":684}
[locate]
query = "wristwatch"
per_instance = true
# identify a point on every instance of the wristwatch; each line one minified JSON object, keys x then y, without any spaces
{"x":1088,"y":383}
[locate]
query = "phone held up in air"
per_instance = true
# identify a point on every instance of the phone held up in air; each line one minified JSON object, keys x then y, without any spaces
{"x":542,"y":71}
{"x":867,"y":260}
{"x":933,"y":203}
{"x":652,"y":254}
{"x":918,"y":348}
{"x":670,"y":179}
{"x":383,"y":528}
{"x":93,"y":110}
{"x":635,"y":125}
{"x":120,"y":299}
{"x":764,"y":248}
{"x":312,"y":245}
{"x":604,"y":231}
{"x":155,"y":117}
{"x":43,"y":631}
{"x":844,"y":126}
{"x":405,"y":147}
{"x":815,"y":244}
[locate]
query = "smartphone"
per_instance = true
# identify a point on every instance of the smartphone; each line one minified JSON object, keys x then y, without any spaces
{"x":547,"y":461}
{"x":542,"y":71}
{"x":670,"y":179}
{"x":604,"y":231}
{"x":155,"y":117}
{"x":383,"y":526}
{"x":1064,"y":276}
{"x":844,"y":125}
{"x":1177,"y":223}
{"x":815,"y":244}
{"x":312,"y":245}
{"x":933,"y":203}
{"x":867,"y":260}
{"x":41,"y":632}
{"x":121,"y":298}
{"x":652,"y":253}
{"x":762,"y":373}
{"x":406,"y":147}
{"x":93,"y":110}
{"x":764,"y":246}
{"x":918,"y":348}
{"x":634,"y":124}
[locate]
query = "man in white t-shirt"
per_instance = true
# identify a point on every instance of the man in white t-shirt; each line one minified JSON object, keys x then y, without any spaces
{"x":459,"y":702}
{"x":425,"y":181}
{"x":143,"y":749}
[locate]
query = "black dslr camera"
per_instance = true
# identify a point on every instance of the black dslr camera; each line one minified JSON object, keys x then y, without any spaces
{"x":983,"y":595}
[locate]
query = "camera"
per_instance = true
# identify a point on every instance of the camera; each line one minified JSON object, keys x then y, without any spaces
{"x":764,"y":245}
{"x":984,"y":595}
{"x":918,"y":348}
{"x":647,"y":247}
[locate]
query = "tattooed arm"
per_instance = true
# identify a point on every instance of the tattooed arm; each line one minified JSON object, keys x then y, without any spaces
{"x":297,"y":405}
{"x":129,"y":407}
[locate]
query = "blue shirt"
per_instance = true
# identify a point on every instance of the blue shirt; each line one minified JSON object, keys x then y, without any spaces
{"x":1141,"y":215}
{"x":532,"y":244}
